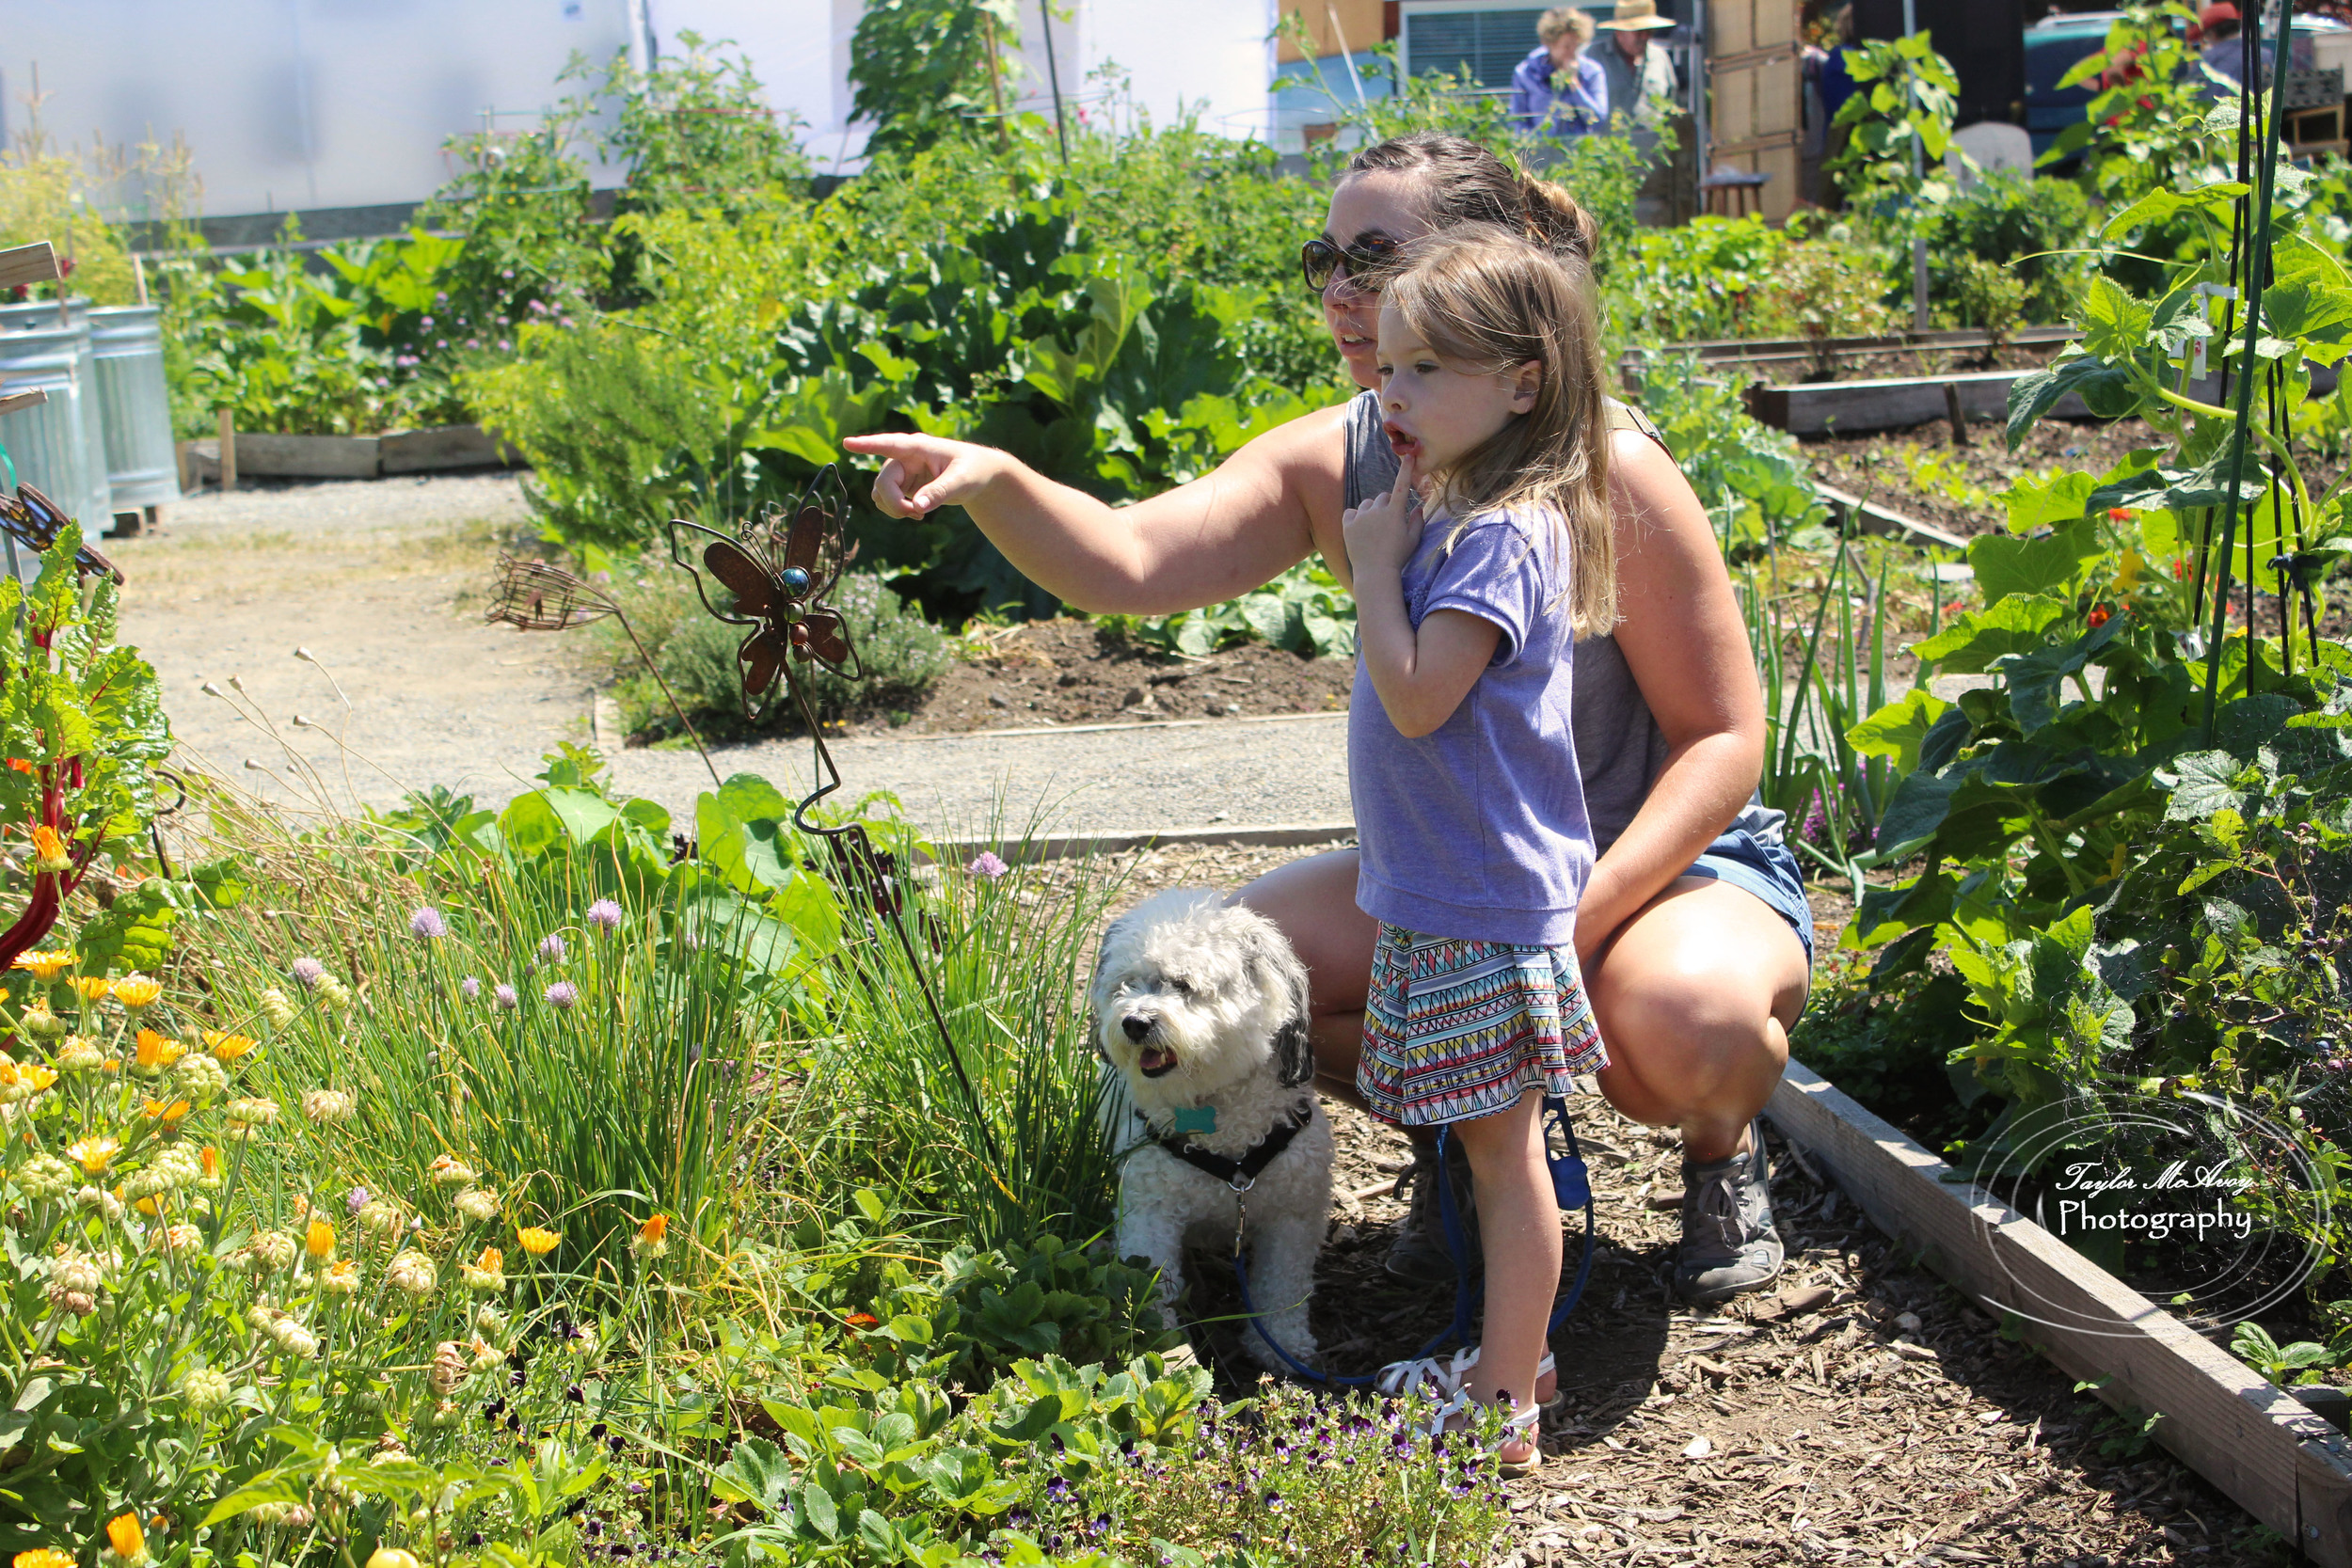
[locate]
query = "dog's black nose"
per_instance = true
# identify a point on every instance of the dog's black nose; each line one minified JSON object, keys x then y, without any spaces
{"x":1136,"y":1026}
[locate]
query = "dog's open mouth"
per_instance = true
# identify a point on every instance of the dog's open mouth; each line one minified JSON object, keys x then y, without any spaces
{"x":1156,"y":1062}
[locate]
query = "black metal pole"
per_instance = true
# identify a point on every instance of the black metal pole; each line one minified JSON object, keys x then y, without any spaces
{"x":1053,"y":75}
{"x":2258,"y":247}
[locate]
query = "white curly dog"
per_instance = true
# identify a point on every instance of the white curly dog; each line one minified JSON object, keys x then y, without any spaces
{"x":1201,"y":1009}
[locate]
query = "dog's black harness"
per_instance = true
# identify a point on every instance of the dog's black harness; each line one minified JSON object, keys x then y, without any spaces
{"x":1242,"y":1173}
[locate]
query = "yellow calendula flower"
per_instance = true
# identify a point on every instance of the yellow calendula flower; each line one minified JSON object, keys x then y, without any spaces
{"x":49,"y":850}
{"x":137,"y":991}
{"x":92,"y":1154}
{"x":94,"y":988}
{"x":124,"y":1536}
{"x":156,"y":1053}
{"x":170,"y":1114}
{"x":45,"y":966}
{"x":227,"y":1047}
{"x":536,"y":1242}
{"x":485,"y":1273}
{"x":319,"y":1240}
{"x":392,"y":1557}
{"x":33,"y":1077}
{"x":151,"y":1207}
{"x":44,"y":1557}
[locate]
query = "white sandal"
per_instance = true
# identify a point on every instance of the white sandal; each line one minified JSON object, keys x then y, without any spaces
{"x":1521,"y":1424}
{"x":1443,"y":1378}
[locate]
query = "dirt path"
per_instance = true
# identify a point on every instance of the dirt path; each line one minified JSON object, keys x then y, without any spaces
{"x":384,"y":582}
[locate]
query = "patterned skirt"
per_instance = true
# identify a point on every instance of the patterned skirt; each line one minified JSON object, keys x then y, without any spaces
{"x":1458,"y":1029}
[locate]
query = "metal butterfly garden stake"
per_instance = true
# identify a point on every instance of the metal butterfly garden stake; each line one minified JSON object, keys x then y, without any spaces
{"x":533,"y":595}
{"x":779,"y":571}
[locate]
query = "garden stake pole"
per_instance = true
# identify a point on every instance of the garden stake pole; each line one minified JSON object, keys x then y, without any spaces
{"x":1053,"y":75}
{"x":2257,"y":241}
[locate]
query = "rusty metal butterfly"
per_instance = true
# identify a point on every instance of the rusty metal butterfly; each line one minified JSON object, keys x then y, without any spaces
{"x":779,"y":569}
{"x":32,"y":519}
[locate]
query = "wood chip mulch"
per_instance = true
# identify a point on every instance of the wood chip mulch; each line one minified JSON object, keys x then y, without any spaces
{"x":1857,"y":1411}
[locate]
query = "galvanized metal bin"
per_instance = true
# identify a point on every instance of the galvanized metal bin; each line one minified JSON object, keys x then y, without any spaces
{"x":93,"y":505}
{"x":50,"y":443}
{"x":127,"y":341}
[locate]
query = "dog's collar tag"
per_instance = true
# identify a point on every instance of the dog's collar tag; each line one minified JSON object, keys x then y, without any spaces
{"x":1195,"y":1118}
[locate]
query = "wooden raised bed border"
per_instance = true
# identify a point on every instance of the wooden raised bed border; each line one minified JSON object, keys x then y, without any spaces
{"x":2275,"y":1458}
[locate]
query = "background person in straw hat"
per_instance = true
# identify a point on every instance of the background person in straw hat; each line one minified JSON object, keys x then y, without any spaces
{"x":1637,"y":75}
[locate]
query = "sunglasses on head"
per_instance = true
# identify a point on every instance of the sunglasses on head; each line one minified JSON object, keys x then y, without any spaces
{"x":1367,"y":263}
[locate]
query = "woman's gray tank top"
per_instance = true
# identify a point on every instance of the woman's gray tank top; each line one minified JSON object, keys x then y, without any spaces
{"x":1619,"y":749}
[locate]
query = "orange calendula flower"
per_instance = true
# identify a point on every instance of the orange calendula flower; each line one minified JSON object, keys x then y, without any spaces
{"x":2099,"y":616}
{"x":44,"y":1557}
{"x":170,"y":1114}
{"x":49,"y":854}
{"x":227,"y":1047}
{"x":124,"y":1535}
{"x":319,"y":1240}
{"x":2118,"y":515}
{"x":94,"y":988}
{"x":21,"y":765}
{"x":861,"y":1320}
{"x":45,"y":966}
{"x":536,"y":1242}
{"x":654,"y":1229}
{"x":92,"y":1154}
{"x":211,"y":1158}
{"x":157,"y":1052}
{"x":137,"y":991}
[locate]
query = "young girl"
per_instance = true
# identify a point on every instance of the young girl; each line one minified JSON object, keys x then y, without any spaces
{"x":1475,"y":844}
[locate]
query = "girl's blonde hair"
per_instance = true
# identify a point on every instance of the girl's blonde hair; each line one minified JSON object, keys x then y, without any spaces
{"x":1488,"y":299}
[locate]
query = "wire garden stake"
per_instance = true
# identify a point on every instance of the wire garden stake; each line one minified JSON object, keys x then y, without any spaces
{"x":533,"y":595}
{"x":779,"y":572}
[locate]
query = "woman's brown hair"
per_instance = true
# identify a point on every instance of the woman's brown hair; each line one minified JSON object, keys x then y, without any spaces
{"x":1464,"y":182}
{"x":1485,"y":298}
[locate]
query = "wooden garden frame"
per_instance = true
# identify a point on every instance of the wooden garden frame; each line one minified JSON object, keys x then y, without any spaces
{"x":2284,"y":1465}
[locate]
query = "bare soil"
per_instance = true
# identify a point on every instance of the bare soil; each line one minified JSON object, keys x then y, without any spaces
{"x":1825,"y":1442}
{"x":1873,"y":466}
{"x":1070,"y":672}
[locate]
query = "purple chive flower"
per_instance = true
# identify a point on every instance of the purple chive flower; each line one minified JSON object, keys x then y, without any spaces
{"x":552,"y":950}
{"x":356,"y":1199}
{"x":426,"y":324}
{"x":426,"y":924}
{"x":562,"y":995}
{"x":504,"y":997}
{"x":604,"y":914}
{"x":307,"y":970}
{"x":986,"y":864}
{"x":471,"y":988}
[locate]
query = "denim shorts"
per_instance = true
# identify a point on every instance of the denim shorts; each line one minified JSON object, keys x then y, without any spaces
{"x":1766,"y":867}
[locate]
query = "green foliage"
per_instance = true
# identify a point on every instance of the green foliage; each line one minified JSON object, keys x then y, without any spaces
{"x":902,"y":653}
{"x":362,"y":346}
{"x":1701,"y":280}
{"x":83,"y":729}
{"x":1305,"y":611}
{"x":1899,"y":122}
{"x":696,"y":133}
{"x":925,"y":68}
{"x":1827,"y":289}
{"x":2012,"y":224}
{"x":1988,"y":296}
{"x":1897,"y":1042}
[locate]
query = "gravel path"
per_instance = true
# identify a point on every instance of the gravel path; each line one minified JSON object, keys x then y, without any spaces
{"x":384,"y":582}
{"x":1194,"y":775}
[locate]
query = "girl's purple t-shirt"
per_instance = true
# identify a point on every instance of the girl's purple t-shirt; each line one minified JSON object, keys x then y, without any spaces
{"x":1477,"y":830}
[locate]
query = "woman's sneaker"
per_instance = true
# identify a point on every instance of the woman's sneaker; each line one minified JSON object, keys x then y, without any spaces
{"x":1419,"y":1251}
{"x":1728,"y":1241}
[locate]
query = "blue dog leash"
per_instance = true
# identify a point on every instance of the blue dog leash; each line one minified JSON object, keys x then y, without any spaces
{"x":1570,"y":1184}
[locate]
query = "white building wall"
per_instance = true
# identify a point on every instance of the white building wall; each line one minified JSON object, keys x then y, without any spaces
{"x":296,"y":104}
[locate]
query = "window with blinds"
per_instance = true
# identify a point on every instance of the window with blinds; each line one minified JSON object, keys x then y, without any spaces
{"x":1489,"y":43}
